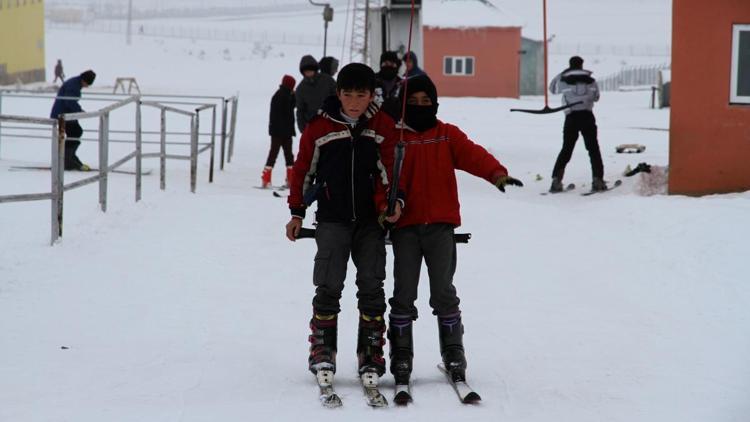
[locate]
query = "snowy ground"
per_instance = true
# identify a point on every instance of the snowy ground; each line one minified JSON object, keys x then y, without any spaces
{"x":614,"y":307}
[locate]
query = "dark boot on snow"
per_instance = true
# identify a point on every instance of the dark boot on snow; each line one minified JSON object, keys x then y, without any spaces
{"x":556,"y":185}
{"x":451,"y":332}
{"x":401,"y":344}
{"x":370,"y":343}
{"x":322,"y":343}
{"x":598,"y":185}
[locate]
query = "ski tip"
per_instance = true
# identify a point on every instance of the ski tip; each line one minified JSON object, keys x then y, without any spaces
{"x":618,"y":182}
{"x":276,"y":194}
{"x":472,"y":398}
{"x":402,"y":398}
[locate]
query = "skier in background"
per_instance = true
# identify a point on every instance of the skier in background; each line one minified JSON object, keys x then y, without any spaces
{"x":577,"y":85}
{"x":329,"y":65}
{"x":73,"y":130}
{"x":412,"y":65}
{"x":425,"y":230}
{"x":339,"y":166}
{"x":312,"y":90}
{"x":388,"y":81}
{"x":59,"y":73}
{"x":281,"y":129}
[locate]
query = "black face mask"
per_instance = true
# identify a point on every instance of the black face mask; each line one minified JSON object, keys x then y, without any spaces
{"x":421,"y":118}
{"x":388,"y":72}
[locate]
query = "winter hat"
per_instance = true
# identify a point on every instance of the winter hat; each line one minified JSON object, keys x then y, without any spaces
{"x":356,"y":76}
{"x":88,"y":77}
{"x":308,"y":62}
{"x":413,"y":57}
{"x":390,"y":56}
{"x":288,"y":81}
{"x":421,"y":83}
{"x":576,"y":62}
{"x":329,"y":65}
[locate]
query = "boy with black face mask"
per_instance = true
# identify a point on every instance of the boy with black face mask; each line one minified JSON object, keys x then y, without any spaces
{"x":387,"y":80}
{"x":433,"y":152}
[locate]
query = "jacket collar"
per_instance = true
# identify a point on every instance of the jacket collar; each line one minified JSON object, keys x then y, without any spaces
{"x":331,"y":110}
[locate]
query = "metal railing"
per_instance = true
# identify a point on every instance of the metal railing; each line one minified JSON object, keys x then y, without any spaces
{"x":58,"y":187}
{"x":632,"y":76}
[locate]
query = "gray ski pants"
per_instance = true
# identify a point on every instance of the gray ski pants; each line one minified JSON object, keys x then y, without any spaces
{"x":434,"y":243}
{"x":365,"y":243}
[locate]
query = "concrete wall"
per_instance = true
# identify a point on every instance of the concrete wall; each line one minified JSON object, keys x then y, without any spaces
{"x":21,"y":41}
{"x":709,"y":140}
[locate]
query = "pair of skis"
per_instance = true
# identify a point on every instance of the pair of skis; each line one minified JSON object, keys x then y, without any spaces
{"x":572,"y":186}
{"x":376,"y":399}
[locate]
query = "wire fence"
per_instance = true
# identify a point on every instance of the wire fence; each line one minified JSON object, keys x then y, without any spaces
{"x":592,"y":49}
{"x":633,"y":76}
{"x":200,"y":33}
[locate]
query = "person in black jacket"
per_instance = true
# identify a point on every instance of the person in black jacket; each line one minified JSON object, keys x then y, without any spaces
{"x":388,"y":83}
{"x":312,"y":90}
{"x":67,"y":102}
{"x":281,"y":129}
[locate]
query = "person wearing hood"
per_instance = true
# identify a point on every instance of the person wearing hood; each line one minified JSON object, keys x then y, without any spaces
{"x":281,"y":129}
{"x":67,"y":102}
{"x":329,"y":65}
{"x":412,"y":65}
{"x":387,"y":80}
{"x":580,"y":90}
{"x":312,"y":90}
{"x":434,"y":150}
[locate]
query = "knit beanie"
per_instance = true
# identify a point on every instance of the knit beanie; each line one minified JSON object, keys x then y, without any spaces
{"x":421,"y":83}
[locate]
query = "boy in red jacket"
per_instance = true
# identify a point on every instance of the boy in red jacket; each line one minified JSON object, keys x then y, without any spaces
{"x":339,"y":165}
{"x":433,"y":152}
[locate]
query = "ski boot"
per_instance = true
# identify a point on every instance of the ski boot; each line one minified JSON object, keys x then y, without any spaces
{"x":322,"y":343}
{"x":265,"y":177}
{"x":370,"y":343}
{"x":556,"y":186}
{"x":451,"y":332}
{"x":598,"y":185}
{"x":289,"y":174}
{"x":401,"y":347}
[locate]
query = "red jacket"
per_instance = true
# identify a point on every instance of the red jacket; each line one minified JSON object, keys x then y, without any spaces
{"x":428,"y":174}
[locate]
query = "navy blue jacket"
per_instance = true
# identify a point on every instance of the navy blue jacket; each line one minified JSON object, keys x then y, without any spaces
{"x":71,"y":88}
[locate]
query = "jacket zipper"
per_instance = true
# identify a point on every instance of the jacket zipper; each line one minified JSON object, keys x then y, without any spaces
{"x":354,"y":212}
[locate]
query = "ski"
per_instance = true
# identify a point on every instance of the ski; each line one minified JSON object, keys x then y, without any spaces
{"x":374,"y":398}
{"x":465,"y":393}
{"x":274,"y":188}
{"x":403,"y":394}
{"x":568,"y":188}
{"x":279,"y":195}
{"x":47,"y":168}
{"x":617,"y":183}
{"x":328,"y":396}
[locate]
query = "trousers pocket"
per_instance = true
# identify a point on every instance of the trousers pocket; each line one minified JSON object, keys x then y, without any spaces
{"x":320,"y":271}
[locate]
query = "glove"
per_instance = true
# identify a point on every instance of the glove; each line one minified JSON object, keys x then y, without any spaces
{"x":502,"y":181}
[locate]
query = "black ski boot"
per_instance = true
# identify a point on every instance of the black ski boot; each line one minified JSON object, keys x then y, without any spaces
{"x":401,"y":347}
{"x":556,"y":185}
{"x":322,"y":343}
{"x":598,"y":185}
{"x":370,"y":343}
{"x":451,"y":333}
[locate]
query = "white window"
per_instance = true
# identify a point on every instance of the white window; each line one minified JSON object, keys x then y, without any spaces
{"x":453,"y":65}
{"x":740,"y":85}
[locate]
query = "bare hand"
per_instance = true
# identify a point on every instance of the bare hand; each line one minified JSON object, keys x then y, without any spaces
{"x":396,"y":213}
{"x":292,"y":228}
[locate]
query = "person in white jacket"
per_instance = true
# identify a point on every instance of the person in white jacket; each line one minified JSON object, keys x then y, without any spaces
{"x":580,"y":91}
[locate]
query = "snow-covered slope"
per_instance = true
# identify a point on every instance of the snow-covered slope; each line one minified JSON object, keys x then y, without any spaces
{"x":194,"y":307}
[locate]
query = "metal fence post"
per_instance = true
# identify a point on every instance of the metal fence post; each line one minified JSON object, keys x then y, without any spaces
{"x":138,"y":150}
{"x":213,"y":146}
{"x":223,"y":132}
{"x":194,"y":150}
{"x":235,"y":100}
{"x":1,"y":123}
{"x":103,"y":159}
{"x":163,"y":151}
{"x":57,"y":167}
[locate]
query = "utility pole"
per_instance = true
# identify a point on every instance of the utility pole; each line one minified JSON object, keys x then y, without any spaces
{"x":327,"y":17}
{"x":130,"y":21}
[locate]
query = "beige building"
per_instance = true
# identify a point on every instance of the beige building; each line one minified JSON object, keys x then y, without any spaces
{"x":21,"y":41}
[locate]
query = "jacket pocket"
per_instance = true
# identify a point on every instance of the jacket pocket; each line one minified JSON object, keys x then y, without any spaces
{"x":320,"y":270}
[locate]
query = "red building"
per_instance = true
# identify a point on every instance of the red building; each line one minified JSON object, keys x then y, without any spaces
{"x":709,"y":139}
{"x":471,"y":48}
